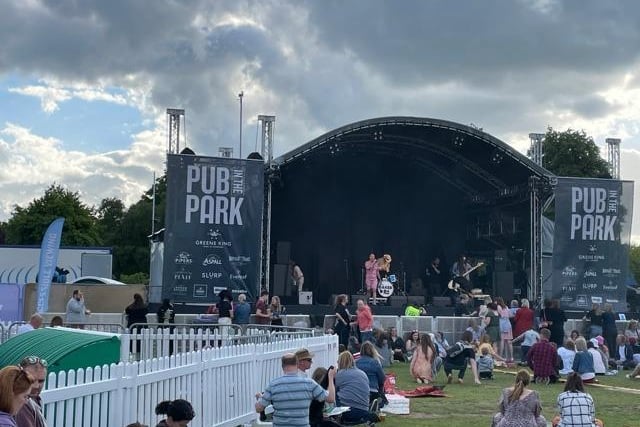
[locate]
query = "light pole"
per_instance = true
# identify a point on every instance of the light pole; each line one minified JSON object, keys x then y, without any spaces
{"x":240,"y":95}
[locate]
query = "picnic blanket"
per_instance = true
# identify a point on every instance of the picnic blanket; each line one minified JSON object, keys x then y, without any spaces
{"x":420,"y":391}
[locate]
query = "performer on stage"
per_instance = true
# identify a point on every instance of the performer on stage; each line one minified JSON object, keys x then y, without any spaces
{"x":460,"y":271}
{"x":384,"y":266}
{"x":371,"y":275}
{"x":296,"y":275}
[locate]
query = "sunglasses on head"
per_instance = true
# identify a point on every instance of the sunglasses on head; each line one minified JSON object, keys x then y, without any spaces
{"x":33,"y":360}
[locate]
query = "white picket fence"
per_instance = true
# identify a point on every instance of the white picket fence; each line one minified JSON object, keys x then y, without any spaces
{"x":219,"y":382}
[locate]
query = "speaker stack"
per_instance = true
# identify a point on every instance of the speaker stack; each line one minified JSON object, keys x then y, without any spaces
{"x":281,"y":285}
{"x":502,"y":278}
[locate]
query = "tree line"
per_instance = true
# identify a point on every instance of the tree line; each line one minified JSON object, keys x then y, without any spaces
{"x":111,"y":224}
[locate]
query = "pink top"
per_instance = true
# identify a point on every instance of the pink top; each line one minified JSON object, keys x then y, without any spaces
{"x":365,"y":319}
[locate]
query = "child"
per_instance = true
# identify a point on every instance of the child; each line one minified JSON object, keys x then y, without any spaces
{"x":485,"y":365}
{"x":529,"y":338}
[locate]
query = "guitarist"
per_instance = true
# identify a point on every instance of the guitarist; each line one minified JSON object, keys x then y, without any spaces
{"x":461,"y":269}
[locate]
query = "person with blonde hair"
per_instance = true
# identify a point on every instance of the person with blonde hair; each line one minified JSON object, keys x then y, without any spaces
{"x":350,"y":382}
{"x":369,"y":363}
{"x":583,"y":361}
{"x":519,"y":406}
{"x":15,"y":386}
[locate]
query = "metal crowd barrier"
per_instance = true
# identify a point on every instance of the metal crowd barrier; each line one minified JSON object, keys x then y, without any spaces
{"x":111,"y":328}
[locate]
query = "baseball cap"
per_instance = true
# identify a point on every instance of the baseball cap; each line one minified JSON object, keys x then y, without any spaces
{"x":594,"y":341}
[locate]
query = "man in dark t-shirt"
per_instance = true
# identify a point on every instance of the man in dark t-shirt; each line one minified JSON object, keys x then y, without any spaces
{"x":459,"y":361}
{"x":263,"y":317}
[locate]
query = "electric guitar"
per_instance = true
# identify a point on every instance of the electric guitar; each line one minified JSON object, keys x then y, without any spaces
{"x":454,"y":286}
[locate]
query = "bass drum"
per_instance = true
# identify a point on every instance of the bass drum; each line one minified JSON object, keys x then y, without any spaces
{"x":385,"y":288}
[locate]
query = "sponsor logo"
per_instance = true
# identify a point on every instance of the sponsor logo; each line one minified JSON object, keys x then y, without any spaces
{"x":182,"y":274}
{"x":596,"y":300}
{"x":199,"y":290}
{"x":211,"y":275}
{"x":612,"y":300}
{"x":610,"y":287}
{"x":218,"y":289}
{"x":582,"y":301}
{"x":568,"y":287}
{"x":590,"y":273}
{"x":239,"y":260}
{"x":214,"y":239}
{"x":610,"y":271}
{"x":566,"y":298}
{"x":589,"y":286}
{"x":211,"y":259}
{"x":180,"y":289}
{"x":569,"y":271}
{"x":593,"y":248}
{"x":183,"y":258}
{"x":591,"y":257}
{"x":238,"y":276}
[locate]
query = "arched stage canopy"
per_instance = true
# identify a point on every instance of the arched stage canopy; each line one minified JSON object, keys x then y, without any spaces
{"x":411,"y":187}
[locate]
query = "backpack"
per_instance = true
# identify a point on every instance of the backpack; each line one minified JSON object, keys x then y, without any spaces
{"x":455,"y":349}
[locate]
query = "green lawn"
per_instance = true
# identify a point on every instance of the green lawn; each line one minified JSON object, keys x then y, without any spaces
{"x":474,"y":405}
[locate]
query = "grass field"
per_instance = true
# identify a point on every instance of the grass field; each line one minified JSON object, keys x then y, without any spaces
{"x":474,"y":405}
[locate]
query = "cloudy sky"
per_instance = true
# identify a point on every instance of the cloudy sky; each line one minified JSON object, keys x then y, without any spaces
{"x":84,"y":85}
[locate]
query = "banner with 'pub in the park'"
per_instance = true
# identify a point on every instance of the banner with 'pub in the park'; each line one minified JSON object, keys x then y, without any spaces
{"x":591,"y":242}
{"x":213,"y":227}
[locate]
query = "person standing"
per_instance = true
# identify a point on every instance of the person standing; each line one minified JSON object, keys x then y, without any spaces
{"x":609,"y":329}
{"x":434,"y":278}
{"x":30,"y":415}
{"x":263,"y":316}
{"x":371,"y":275}
{"x":343,"y":320}
{"x":225,"y":308}
{"x":365,"y":321}
{"x":594,"y":317}
{"x":296,"y":275}
{"x":523,"y":319}
{"x":76,"y":315}
{"x":166,"y":313}
{"x":242,"y":311}
{"x":136,"y":312}
{"x":291,"y":395}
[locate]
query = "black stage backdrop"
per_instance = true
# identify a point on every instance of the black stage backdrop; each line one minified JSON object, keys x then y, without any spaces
{"x":591,"y":242}
{"x":213,"y":227}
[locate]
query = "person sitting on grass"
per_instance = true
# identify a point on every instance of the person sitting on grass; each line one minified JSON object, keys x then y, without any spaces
{"x":369,"y":363}
{"x":623,"y":354}
{"x":583,"y":362}
{"x":567,"y":353}
{"x":423,"y":360}
{"x":598,"y":363}
{"x":485,"y":342}
{"x":411,"y":343}
{"x":350,"y":382}
{"x":519,"y":406}
{"x":458,"y":357}
{"x":485,"y":365}
{"x":542,"y":359}
{"x":575,"y":406}
{"x":635,"y":373}
{"x":396,"y":344}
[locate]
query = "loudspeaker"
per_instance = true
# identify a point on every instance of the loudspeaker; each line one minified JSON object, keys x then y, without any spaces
{"x":441,"y":301}
{"x":500,"y":260}
{"x":397,"y":300}
{"x":280,"y":280}
{"x":416,"y":299}
{"x":283,"y":252}
{"x":503,"y":285}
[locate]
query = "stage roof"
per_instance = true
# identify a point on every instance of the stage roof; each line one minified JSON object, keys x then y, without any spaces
{"x":481,"y":166}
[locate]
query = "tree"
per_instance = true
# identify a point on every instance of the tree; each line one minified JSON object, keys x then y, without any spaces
{"x":110,"y":215}
{"x":28,"y":225}
{"x":573,"y":153}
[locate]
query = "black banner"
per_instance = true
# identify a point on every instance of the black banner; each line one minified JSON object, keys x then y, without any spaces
{"x":213,"y":227}
{"x":591,"y":242}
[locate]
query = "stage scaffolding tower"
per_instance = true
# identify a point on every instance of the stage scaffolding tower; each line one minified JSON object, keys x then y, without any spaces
{"x":536,"y":150}
{"x":613,"y":156}
{"x":174,"y":117}
{"x":267,"y":124}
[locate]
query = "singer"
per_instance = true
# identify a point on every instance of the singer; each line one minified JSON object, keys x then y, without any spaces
{"x":371,"y":275}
